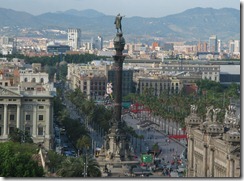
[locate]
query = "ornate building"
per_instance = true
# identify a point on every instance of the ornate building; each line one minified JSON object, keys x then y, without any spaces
{"x":30,"y":111}
{"x":213,"y":146}
{"x":27,"y":105}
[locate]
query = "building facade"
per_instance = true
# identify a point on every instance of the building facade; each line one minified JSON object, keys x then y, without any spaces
{"x":213,"y":45}
{"x":213,"y":146}
{"x":210,"y":72}
{"x":30,"y":111}
{"x":74,"y":38}
{"x":26,"y":103}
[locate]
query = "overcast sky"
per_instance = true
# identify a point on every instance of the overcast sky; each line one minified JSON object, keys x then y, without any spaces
{"x":143,"y":8}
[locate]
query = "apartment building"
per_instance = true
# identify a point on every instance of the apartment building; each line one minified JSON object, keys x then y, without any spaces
{"x":92,"y":78}
{"x":210,"y":72}
{"x":74,"y":38}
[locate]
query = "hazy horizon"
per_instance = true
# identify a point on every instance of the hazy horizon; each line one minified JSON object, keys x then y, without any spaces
{"x":142,"y":8}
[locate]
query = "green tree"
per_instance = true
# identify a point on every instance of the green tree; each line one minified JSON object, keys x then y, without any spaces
{"x":16,"y":160}
{"x":55,"y":161}
{"x":84,"y":143}
{"x":20,"y":136}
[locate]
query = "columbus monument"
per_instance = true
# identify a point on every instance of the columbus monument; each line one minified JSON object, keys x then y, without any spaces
{"x":115,"y":151}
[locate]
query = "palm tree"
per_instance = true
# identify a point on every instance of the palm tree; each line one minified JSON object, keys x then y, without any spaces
{"x":83,"y":143}
{"x":93,"y":169}
{"x":71,"y":167}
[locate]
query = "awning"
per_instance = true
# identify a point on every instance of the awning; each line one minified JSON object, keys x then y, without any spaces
{"x":183,"y":136}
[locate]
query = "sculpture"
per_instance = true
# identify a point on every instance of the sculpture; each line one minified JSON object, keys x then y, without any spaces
{"x":215,"y":112}
{"x":193,"y":109}
{"x":208,"y":116}
{"x":117,"y":23}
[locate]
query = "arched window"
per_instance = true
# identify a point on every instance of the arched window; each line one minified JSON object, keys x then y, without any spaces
{"x":41,"y":80}
{"x":25,"y":80}
{"x":33,"y":80}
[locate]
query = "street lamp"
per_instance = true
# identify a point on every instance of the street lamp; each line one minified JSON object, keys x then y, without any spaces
{"x":139,"y":128}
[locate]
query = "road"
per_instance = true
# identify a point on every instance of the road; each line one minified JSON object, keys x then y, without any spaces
{"x":169,"y":147}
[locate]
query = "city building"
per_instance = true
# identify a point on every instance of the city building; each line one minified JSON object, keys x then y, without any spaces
{"x":127,"y":83}
{"x":57,"y":49}
{"x":93,"y":78}
{"x":99,"y":43}
{"x":8,"y":45}
{"x":213,"y":46}
{"x":219,"y":46}
{"x":26,"y":102}
{"x":74,"y":38}
{"x":202,"y":47}
{"x":230,"y":74}
{"x":210,"y":72}
{"x":214,"y":145}
{"x":237,"y":46}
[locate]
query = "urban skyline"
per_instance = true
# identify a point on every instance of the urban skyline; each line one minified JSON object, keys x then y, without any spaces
{"x":153,"y":8}
{"x":116,"y":108}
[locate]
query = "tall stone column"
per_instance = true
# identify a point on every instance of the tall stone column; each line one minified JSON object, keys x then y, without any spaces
{"x":232,"y":168}
{"x":5,"y":120}
{"x":119,"y":44}
{"x":34,"y":121}
{"x":190,"y":157}
{"x":205,"y":156}
{"x":211,"y":165}
{"x":47,"y":121}
{"x":18,"y":116}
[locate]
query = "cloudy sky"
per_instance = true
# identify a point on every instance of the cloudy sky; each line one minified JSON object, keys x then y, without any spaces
{"x":143,"y":8}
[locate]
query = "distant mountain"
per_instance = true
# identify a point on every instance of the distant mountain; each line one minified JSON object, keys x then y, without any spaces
{"x":89,"y":13}
{"x":192,"y":24}
{"x":10,"y":17}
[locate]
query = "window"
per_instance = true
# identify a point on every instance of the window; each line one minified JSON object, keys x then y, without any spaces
{"x":33,"y":80}
{"x":0,"y":130}
{"x":25,"y":80}
{"x":40,"y":131}
{"x":27,"y":117}
{"x":11,"y":117}
{"x":41,"y":80}
{"x":0,"y":117}
{"x":40,"y":117}
{"x":41,"y":107}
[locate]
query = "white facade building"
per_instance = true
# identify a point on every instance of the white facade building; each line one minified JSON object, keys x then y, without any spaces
{"x":28,"y":110}
{"x":74,"y":38}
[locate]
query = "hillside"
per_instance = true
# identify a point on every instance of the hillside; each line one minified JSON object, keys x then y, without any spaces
{"x":192,"y":24}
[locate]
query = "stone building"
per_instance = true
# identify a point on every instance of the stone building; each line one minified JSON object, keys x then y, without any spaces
{"x":92,"y":78}
{"x":28,"y":106}
{"x":213,"y":146}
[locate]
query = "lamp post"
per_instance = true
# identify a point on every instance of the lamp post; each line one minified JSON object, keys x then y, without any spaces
{"x":139,"y":128}
{"x":85,"y":165}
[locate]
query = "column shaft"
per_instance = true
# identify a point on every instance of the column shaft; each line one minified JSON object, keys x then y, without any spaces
{"x":18,"y":117}
{"x":47,"y":132}
{"x":5,"y":121}
{"x":34,"y":121}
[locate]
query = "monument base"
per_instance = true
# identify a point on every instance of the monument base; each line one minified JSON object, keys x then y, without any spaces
{"x":116,"y":168}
